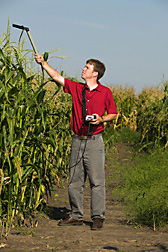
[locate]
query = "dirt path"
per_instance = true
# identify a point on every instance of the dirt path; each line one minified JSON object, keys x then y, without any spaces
{"x":116,"y":235}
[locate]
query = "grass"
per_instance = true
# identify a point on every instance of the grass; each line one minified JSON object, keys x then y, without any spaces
{"x":142,"y":188}
{"x":138,"y":180}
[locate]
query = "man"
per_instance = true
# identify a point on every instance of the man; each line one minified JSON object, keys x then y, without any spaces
{"x":87,"y":150}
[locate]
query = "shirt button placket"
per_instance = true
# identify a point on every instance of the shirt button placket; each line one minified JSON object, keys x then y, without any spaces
{"x":88,"y":98}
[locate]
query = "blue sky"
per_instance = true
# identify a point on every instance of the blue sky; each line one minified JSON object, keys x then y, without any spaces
{"x":129,"y":36}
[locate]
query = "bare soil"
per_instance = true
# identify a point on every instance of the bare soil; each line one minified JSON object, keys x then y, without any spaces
{"x":116,"y":235}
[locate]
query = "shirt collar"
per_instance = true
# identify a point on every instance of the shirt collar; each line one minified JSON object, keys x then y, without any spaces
{"x":98,"y":88}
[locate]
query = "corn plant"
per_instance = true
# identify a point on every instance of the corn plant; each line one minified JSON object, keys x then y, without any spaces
{"x":126,"y":102}
{"x":153,"y":119}
{"x":34,"y":137}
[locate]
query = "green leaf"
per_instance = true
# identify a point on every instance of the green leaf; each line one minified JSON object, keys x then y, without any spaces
{"x":19,"y":148}
{"x":46,"y":56}
{"x":40,"y":96}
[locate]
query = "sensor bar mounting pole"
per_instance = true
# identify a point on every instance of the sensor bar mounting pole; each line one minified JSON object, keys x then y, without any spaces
{"x":28,"y":34}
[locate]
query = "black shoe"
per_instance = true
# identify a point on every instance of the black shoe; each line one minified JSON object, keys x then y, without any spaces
{"x":97,"y":224}
{"x":70,"y":222}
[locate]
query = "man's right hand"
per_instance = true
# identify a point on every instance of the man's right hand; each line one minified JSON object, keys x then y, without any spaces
{"x":51,"y":71}
{"x":39,"y":59}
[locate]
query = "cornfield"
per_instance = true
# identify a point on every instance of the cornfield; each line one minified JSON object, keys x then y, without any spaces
{"x":146,"y":113}
{"x":35,"y":131}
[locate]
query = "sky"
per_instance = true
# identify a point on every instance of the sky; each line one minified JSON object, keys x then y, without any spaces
{"x":129,"y":36}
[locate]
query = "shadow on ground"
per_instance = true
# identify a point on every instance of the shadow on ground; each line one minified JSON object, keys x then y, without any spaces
{"x":56,"y":213}
{"x":60,"y":213}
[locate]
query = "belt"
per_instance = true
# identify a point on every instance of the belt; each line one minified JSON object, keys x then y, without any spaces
{"x":93,"y":137}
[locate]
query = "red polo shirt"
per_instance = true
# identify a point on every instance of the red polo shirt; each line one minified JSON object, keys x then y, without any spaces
{"x":98,"y":101}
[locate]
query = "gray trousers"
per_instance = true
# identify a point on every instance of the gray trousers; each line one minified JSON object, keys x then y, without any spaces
{"x":87,"y":158}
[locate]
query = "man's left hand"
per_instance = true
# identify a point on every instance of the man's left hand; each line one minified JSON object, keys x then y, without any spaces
{"x":96,"y":121}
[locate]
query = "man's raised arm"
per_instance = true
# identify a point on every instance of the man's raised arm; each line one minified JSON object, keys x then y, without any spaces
{"x":51,"y":71}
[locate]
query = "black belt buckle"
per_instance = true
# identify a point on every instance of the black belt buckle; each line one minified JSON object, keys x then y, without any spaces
{"x":86,"y":137}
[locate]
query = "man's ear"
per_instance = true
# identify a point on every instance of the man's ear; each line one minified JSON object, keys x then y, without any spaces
{"x":95,"y":74}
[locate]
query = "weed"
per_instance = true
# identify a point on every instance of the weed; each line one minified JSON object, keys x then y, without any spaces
{"x":56,"y":197}
{"x":29,"y":233}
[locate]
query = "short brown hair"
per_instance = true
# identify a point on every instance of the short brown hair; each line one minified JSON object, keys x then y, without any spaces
{"x":98,"y":67}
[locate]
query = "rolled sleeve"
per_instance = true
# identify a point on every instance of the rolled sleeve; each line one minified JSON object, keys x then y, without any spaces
{"x":67,"y":86}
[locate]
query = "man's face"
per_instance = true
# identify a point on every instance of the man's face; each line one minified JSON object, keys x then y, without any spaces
{"x":88,"y":72}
